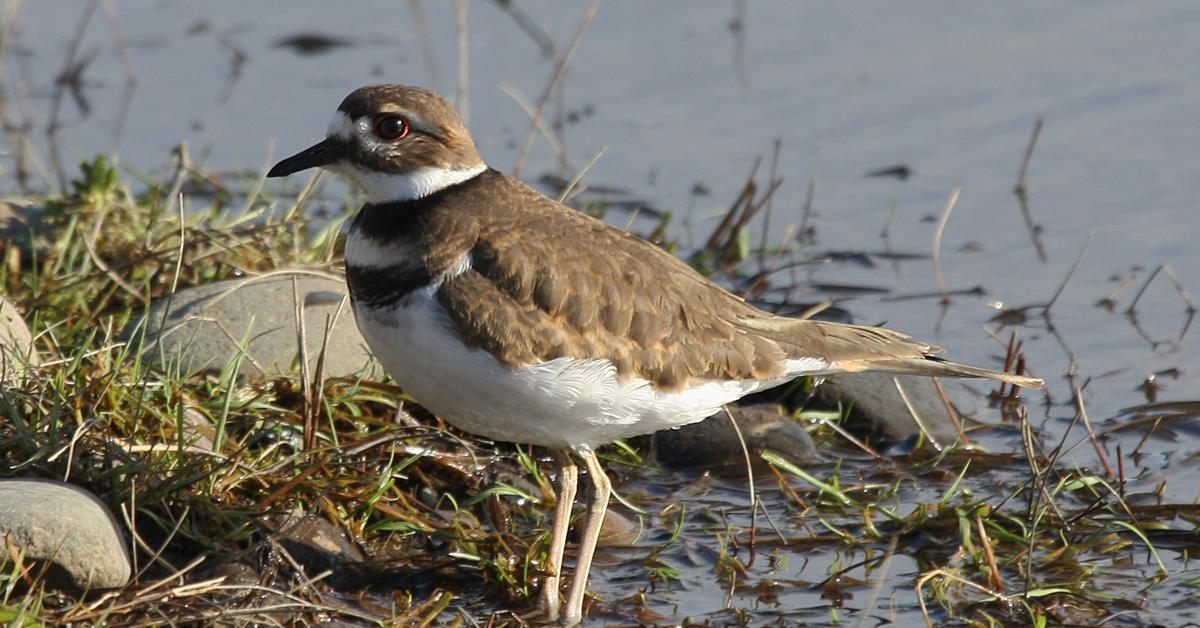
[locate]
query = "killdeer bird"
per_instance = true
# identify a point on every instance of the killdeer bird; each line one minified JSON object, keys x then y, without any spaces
{"x":516,"y":318}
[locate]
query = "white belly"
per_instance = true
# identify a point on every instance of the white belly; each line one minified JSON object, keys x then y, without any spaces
{"x":563,"y":403}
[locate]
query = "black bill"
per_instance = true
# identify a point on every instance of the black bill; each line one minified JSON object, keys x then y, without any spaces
{"x":320,"y":154}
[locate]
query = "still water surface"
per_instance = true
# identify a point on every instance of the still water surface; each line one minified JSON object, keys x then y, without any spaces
{"x":681,"y":94}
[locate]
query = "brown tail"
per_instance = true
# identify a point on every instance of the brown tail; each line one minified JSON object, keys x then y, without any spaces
{"x":933,"y":366}
{"x":855,"y":348}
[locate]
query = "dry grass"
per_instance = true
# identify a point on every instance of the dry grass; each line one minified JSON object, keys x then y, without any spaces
{"x":998,"y":539}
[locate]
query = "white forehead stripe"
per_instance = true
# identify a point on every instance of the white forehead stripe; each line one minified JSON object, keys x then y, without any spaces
{"x":341,"y":126}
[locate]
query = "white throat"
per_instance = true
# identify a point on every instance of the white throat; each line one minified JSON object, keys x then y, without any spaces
{"x":381,"y":187}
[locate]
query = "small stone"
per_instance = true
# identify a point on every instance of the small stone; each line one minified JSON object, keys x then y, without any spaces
{"x":198,"y":430}
{"x":68,"y":527}
{"x":23,"y":225}
{"x":713,"y":442}
{"x":205,"y":325}
{"x":234,"y":573}
{"x":874,"y":397}
{"x":318,"y":545}
{"x":617,"y":529}
{"x":240,"y":586}
{"x":16,"y":344}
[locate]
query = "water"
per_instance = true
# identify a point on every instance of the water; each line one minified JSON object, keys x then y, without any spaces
{"x":680,"y":93}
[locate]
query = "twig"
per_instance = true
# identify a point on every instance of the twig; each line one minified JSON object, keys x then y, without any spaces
{"x":310,"y":428}
{"x":1034,"y":229}
{"x":806,"y":213}
{"x":462,"y":99}
{"x":786,"y":487}
{"x":1074,"y":265}
{"x":538,"y":34}
{"x":814,"y":309}
{"x":560,"y":67}
{"x":749,"y":479}
{"x":1120,"y":472}
{"x":305,"y":192}
{"x":89,"y":244}
{"x":1021,"y":188}
{"x":841,"y":431}
{"x":318,"y":378}
{"x":915,"y":416}
{"x":1010,"y":357}
{"x":737,"y":25}
{"x":885,"y":233}
{"x":757,"y":283}
{"x":925,"y":578}
{"x":317,"y":464}
{"x":1121,"y":286}
{"x":53,"y":124}
{"x":744,"y":199}
{"x":17,"y":134}
{"x":579,"y":175}
{"x":156,"y":557}
{"x":237,"y":61}
{"x":114,"y":27}
{"x":1087,"y":425}
{"x":183,"y":166}
{"x":260,"y":182}
{"x":1183,"y":293}
{"x":951,"y":411}
{"x":182,"y":156}
{"x":937,"y":243}
{"x":1032,"y":515}
{"x":766,"y":226}
{"x":988,"y":555}
{"x":421,"y":28}
{"x":757,"y":206}
{"x":556,"y":147}
{"x":885,"y":568}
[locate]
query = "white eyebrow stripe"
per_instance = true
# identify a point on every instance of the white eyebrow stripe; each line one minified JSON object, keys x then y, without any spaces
{"x":340,"y":127}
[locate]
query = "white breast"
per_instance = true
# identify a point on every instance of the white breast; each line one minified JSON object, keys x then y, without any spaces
{"x":564,"y":403}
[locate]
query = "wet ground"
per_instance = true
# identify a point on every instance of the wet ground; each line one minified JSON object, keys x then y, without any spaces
{"x":683,"y":98}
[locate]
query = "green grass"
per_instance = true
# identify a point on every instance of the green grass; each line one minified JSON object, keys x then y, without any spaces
{"x":98,"y":416}
{"x":995,"y":540}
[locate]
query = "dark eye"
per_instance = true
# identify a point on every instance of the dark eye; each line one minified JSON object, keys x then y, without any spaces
{"x":390,"y":126}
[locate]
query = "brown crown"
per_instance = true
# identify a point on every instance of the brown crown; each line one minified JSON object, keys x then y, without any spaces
{"x":438,"y":137}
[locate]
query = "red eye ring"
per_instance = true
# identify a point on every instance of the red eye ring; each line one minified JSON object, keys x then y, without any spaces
{"x":390,"y":127}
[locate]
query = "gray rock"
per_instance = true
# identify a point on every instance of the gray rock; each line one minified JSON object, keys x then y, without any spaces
{"x":205,"y":325}
{"x":618,"y":530}
{"x":24,"y":225}
{"x":199,"y":431}
{"x":234,"y":573}
{"x":318,"y":545}
{"x":68,"y":527}
{"x":241,"y":586}
{"x":16,"y":344}
{"x":874,"y":396}
{"x":714,"y":443}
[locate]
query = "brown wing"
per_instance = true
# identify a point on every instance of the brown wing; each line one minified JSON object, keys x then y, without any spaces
{"x":581,"y":288}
